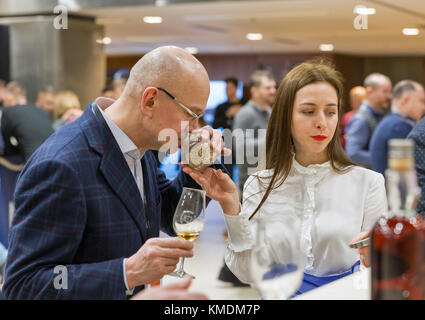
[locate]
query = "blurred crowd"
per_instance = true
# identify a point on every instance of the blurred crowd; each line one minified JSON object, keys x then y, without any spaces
{"x":25,"y":125}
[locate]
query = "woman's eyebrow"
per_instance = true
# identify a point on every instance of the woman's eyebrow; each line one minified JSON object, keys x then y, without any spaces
{"x":313,"y":104}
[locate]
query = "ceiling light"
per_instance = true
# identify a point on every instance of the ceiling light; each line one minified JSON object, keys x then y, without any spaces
{"x":326,"y":47}
{"x":191,"y":50}
{"x":105,"y":40}
{"x":363,"y":10}
{"x":410,"y":31}
{"x":150,"y":19}
{"x":254,"y":36}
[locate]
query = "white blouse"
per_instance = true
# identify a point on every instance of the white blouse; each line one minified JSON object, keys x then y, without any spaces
{"x":333,"y":207}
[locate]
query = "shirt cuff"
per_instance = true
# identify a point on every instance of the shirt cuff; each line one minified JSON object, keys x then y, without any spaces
{"x":128,"y":292}
{"x":240,"y":234}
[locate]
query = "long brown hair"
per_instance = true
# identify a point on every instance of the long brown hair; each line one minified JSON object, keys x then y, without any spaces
{"x":279,"y":139}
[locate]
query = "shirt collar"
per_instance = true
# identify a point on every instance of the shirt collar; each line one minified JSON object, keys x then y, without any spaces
{"x":124,"y":142}
{"x":311,"y":169}
{"x":404,"y":116}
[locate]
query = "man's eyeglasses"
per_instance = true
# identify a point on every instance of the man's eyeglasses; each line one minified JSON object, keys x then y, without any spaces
{"x":193,"y":114}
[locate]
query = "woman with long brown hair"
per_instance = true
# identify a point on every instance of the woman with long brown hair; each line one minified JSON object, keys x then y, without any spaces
{"x":307,"y":175}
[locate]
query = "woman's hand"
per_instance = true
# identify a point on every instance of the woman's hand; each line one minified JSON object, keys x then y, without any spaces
{"x":218,"y":186}
{"x":365,"y":251}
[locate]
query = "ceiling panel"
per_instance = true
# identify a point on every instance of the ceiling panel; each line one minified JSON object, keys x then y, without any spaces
{"x":287,"y":26}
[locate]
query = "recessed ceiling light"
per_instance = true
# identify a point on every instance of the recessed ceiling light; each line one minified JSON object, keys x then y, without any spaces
{"x":151,"y":19}
{"x":326,"y":47}
{"x":160,"y":3}
{"x":254,"y":36}
{"x":363,"y":10}
{"x":410,"y":31}
{"x":191,"y":50}
{"x":105,"y":40}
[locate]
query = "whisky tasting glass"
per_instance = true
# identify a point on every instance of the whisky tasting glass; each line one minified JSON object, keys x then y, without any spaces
{"x":189,"y":219}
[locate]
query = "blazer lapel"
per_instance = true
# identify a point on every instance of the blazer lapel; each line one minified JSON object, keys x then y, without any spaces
{"x":115,"y":169}
{"x":150,"y":198}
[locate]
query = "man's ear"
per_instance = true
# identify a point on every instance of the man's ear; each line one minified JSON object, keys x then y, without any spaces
{"x":406,"y":98}
{"x":148,"y":101}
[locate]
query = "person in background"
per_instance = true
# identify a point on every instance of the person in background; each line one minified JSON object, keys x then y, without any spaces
{"x":67,"y":108}
{"x":254,"y":115}
{"x":418,"y":136}
{"x":2,"y":91}
{"x":46,"y":101}
{"x":24,"y":127}
{"x":407,"y":108}
{"x":225,"y":113}
{"x":14,"y":95}
{"x":357,"y":95}
{"x":361,"y":126}
{"x":306,"y":177}
{"x":246,"y":94}
{"x":114,"y":89}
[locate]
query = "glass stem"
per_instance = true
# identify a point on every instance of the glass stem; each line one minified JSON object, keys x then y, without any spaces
{"x":181,"y":271}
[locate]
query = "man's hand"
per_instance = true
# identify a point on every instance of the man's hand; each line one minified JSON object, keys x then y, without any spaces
{"x":175,"y":291}
{"x":365,"y":251}
{"x":156,"y":258}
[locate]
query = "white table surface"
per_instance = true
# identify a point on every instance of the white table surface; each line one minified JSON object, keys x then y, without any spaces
{"x":353,"y":287}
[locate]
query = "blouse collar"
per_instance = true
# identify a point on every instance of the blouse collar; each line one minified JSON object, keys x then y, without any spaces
{"x":311,"y":169}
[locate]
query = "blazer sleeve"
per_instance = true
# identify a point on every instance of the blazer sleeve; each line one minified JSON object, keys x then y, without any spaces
{"x":47,"y":229}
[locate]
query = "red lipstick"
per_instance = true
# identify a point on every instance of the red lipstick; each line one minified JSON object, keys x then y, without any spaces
{"x":319,"y":137}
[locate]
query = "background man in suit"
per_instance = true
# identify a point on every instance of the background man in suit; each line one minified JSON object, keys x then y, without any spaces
{"x":407,"y":108}
{"x":254,"y":115}
{"x":24,"y":127}
{"x":362,"y":124}
{"x":46,"y":101}
{"x":91,"y":201}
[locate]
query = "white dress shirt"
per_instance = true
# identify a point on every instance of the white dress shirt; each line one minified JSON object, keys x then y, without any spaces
{"x":333,"y":209}
{"x":131,"y":154}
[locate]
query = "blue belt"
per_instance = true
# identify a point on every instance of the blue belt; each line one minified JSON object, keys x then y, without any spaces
{"x":311,"y":282}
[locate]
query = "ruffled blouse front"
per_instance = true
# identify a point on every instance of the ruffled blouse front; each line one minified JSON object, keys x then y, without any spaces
{"x":333,"y":209}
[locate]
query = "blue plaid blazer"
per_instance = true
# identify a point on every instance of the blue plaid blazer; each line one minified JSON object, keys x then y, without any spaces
{"x":78,"y":206}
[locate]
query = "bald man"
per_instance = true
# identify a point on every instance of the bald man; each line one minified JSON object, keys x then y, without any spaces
{"x":91,"y":201}
{"x":361,"y":126}
{"x":357,"y":95}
